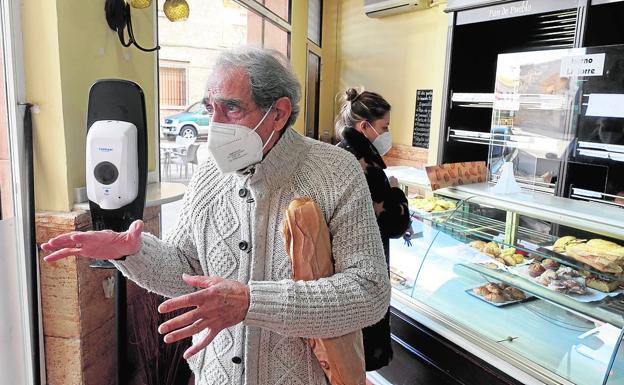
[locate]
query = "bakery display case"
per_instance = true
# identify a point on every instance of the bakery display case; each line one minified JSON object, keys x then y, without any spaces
{"x":528,"y":282}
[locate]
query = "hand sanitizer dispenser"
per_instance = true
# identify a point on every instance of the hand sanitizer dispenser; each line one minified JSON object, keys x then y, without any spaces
{"x":116,"y":154}
{"x":116,"y":176}
{"x":112,"y":161}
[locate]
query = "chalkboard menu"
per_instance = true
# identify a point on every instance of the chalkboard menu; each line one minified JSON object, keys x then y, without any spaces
{"x":422,"y":118}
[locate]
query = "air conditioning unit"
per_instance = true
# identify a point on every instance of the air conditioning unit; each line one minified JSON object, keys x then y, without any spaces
{"x":382,"y":8}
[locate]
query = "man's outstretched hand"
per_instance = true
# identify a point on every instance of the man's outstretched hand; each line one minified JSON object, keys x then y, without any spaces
{"x":105,"y":244}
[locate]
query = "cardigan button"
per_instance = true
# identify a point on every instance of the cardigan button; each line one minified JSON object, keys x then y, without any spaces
{"x":237,"y":360}
{"x":242,"y":192}
{"x":243,"y":245}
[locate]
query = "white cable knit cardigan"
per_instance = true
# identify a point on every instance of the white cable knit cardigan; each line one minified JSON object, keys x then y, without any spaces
{"x":230,"y":226}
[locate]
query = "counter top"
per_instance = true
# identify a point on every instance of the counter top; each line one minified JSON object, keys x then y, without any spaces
{"x":594,"y":217}
{"x":409,"y":176}
{"x":157,"y":194}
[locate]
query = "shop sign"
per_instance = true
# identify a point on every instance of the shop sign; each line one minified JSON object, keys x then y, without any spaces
{"x":582,"y":65}
{"x":515,"y":9}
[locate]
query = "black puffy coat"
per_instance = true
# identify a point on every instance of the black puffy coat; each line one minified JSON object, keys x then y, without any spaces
{"x":393,"y":219}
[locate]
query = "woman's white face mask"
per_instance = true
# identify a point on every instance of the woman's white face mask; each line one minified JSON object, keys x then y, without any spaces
{"x":235,"y":147}
{"x":383,"y":142}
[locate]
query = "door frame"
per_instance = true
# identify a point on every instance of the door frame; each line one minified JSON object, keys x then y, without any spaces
{"x":28,"y":279}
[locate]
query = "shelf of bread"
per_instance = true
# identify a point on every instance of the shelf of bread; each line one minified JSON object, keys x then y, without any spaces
{"x":602,"y":257}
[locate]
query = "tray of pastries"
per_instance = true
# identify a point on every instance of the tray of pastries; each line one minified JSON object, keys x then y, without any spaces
{"x":581,"y":285}
{"x":503,"y":256}
{"x":498,"y":294}
{"x":430,"y":206}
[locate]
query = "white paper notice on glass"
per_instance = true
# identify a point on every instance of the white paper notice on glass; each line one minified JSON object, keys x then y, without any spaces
{"x":507,"y":101}
{"x":607,"y":105}
{"x":582,"y":65}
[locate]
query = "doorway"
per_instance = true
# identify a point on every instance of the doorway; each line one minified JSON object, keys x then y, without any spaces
{"x":19,"y":360}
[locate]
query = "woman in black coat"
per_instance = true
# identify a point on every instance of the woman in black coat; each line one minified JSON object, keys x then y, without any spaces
{"x":362,"y":127}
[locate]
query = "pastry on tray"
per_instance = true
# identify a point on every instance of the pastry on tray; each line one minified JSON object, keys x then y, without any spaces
{"x":601,"y":284}
{"x":493,"y":288}
{"x":495,"y":297}
{"x":499,"y":293}
{"x":513,"y":294}
{"x":479,"y":245}
{"x":563,"y":280}
{"x":550,"y":264}
{"x":536,"y":269}
{"x":562,"y":243}
{"x":481,"y":290}
{"x":491,"y":248}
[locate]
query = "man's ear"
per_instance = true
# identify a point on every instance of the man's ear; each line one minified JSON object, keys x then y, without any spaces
{"x":283,"y":109}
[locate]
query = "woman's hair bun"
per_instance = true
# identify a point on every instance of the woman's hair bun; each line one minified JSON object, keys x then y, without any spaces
{"x":351,"y":94}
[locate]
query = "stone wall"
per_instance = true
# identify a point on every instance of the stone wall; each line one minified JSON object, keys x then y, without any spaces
{"x":78,"y":320}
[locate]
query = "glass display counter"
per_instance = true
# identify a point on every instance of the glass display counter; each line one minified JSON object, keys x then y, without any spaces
{"x":534,"y":283}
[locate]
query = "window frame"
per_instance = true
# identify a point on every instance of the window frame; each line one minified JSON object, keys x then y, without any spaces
{"x":320,"y":43}
{"x":265,"y":12}
{"x":173,"y":65}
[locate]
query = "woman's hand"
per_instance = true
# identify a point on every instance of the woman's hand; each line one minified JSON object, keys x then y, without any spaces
{"x":105,"y":244}
{"x":219,"y":304}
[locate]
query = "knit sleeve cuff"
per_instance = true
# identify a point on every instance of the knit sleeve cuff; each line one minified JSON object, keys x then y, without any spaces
{"x":266,"y":304}
{"x":134,"y":265}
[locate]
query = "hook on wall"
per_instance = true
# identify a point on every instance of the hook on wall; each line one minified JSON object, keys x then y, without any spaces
{"x":119,"y":19}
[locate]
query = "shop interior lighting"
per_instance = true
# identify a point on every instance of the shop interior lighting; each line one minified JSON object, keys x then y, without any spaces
{"x":176,"y":10}
{"x":119,"y":18}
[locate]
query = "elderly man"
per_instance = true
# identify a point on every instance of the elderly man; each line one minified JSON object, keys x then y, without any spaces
{"x":226,"y":260}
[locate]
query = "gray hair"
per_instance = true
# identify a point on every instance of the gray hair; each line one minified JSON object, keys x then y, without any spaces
{"x":270,"y":76}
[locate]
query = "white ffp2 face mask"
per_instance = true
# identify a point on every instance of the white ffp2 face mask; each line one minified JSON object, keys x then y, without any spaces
{"x":235,"y":147}
{"x":383,"y":142}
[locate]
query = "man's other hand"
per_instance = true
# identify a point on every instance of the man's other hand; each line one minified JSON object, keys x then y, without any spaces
{"x":219,"y":304}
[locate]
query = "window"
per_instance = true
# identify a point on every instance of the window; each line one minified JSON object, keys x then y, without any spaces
{"x":279,"y":7}
{"x":173,"y":86}
{"x":313,"y":82}
{"x":315,"y":19}
{"x":264,"y":33}
{"x":313,"y":76}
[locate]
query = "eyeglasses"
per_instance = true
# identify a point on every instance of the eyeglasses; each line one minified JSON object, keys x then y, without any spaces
{"x":231,"y":108}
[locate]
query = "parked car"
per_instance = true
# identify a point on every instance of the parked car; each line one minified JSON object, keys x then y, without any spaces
{"x":190,"y":123}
